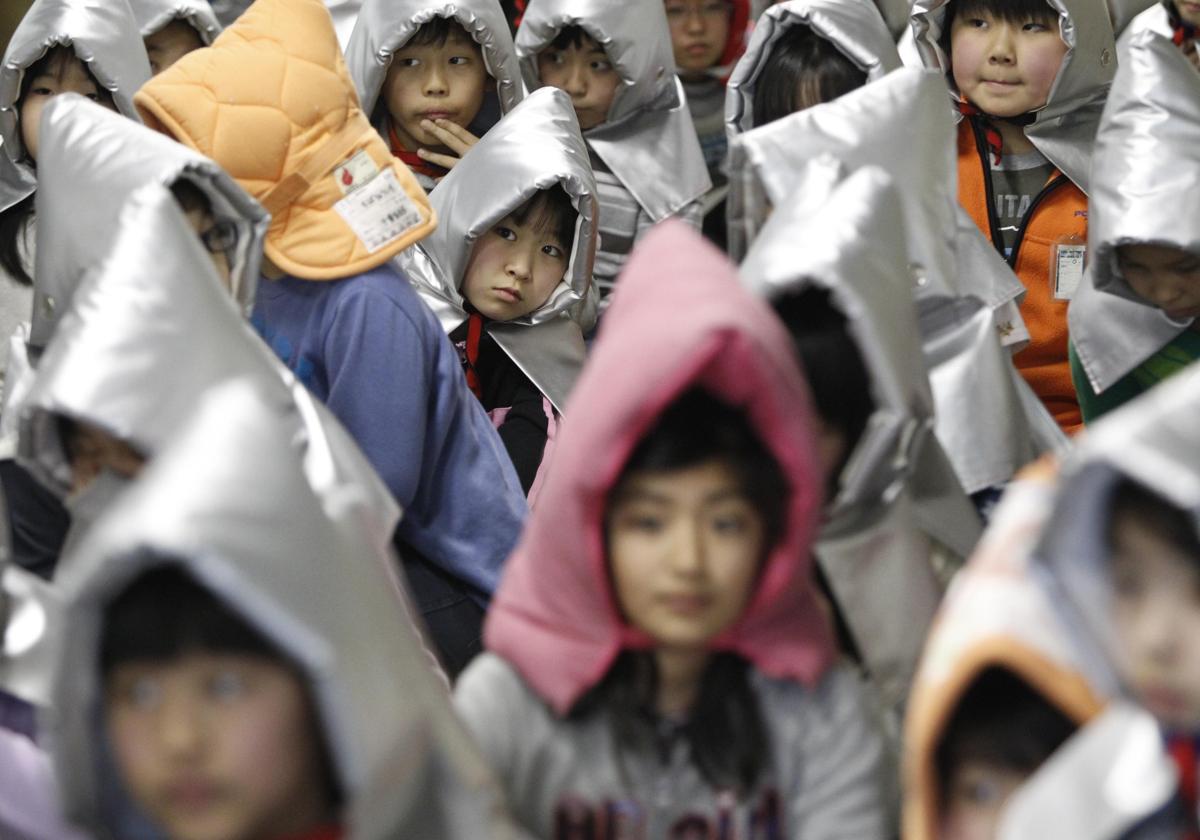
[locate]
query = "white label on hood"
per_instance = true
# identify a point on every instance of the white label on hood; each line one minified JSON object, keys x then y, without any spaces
{"x":380,"y":212}
{"x":1068,"y":269}
{"x":357,"y":172}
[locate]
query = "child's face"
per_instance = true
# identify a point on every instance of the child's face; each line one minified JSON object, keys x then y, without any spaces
{"x":1188,"y":11}
{"x":699,"y":32}
{"x":685,"y":548}
{"x":93,"y":450}
{"x":514,"y":268}
{"x":1156,"y":618}
{"x":219,"y":238}
{"x":65,"y":76}
{"x":216,"y":746}
{"x":433,"y":82}
{"x":586,"y":74}
{"x":977,"y":794}
{"x":1005,"y":69}
{"x":1168,"y":278}
{"x":171,"y":43}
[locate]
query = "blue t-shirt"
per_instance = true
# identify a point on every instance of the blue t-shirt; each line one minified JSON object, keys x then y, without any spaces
{"x":369,"y":349}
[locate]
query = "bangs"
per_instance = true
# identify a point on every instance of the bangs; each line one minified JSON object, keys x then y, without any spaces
{"x":550,"y":211}
{"x":439,"y":30}
{"x":1009,"y":11}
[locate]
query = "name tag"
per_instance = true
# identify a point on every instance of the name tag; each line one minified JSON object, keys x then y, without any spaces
{"x":1066,"y":265}
{"x":379,"y":212}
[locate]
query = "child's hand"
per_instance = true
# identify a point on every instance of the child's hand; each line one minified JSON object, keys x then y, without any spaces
{"x":453,"y":136}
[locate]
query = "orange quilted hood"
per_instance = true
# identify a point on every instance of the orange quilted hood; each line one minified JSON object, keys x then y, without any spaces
{"x":272,"y":102}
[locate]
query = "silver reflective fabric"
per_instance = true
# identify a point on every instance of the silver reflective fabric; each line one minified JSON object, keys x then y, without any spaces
{"x":1147,"y":162}
{"x":227,"y":503}
{"x":897,"y":496}
{"x":153,"y":15}
{"x":385,"y":26}
{"x":228,"y":11}
{"x":345,"y":17}
{"x":1065,"y":129}
{"x":895,"y":15}
{"x":1130,"y":16}
{"x":93,"y":162}
{"x":1153,"y":440}
{"x":1101,"y":784}
{"x":853,"y":26}
{"x":649,"y":122}
{"x":103,"y":35}
{"x":148,"y":332}
{"x":30,"y":624}
{"x":17,"y":181}
{"x":537,"y":146}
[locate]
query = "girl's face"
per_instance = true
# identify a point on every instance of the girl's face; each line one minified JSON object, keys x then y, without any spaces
{"x":1005,"y":69}
{"x":514,"y":268}
{"x":1189,"y":11}
{"x":699,"y":32}
{"x":171,"y":43}
{"x":685,"y":547}
{"x":63,"y":74}
{"x":1168,"y":278}
{"x":586,"y":74}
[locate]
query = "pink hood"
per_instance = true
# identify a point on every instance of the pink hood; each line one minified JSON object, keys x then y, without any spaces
{"x":680,"y":318}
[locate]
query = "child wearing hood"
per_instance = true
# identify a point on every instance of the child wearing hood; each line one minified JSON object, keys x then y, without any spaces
{"x":433,"y":77}
{"x":1029,"y":79}
{"x":1134,"y":322}
{"x":615,"y":61}
{"x":1177,"y":20}
{"x":509,"y":270}
{"x":658,"y":658}
{"x":173,"y":28}
{"x":336,"y":311}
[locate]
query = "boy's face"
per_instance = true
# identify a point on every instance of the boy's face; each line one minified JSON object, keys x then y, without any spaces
{"x":699,"y":31}
{"x":433,"y":82}
{"x":217,"y":746}
{"x":1156,"y":618}
{"x":586,"y":74}
{"x":1005,"y":69}
{"x":65,"y":76}
{"x":514,"y":268}
{"x":684,"y":547}
{"x":975,"y":800}
{"x":1168,"y":278}
{"x":171,"y":43}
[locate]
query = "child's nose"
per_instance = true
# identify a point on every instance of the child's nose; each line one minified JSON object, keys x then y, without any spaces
{"x":435,"y":81}
{"x":576,"y":84}
{"x":1001,"y":46}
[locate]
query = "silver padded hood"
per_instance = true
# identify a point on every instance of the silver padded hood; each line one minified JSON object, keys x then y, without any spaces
{"x":856,"y":28}
{"x":385,"y":26}
{"x":103,"y":35}
{"x":153,"y":15}
{"x":1153,"y":440}
{"x":649,"y":121}
{"x":895,"y":15}
{"x":536,"y":147}
{"x":227,"y":503}
{"x":1131,"y":16}
{"x":148,"y":332}
{"x":94,"y":161}
{"x":1065,"y":129}
{"x":1147,"y":162}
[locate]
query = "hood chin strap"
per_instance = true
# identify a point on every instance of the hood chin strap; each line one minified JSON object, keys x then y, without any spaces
{"x":1183,"y":31}
{"x":995,"y":140}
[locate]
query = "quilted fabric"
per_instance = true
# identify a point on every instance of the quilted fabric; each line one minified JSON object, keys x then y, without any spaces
{"x":272,"y":102}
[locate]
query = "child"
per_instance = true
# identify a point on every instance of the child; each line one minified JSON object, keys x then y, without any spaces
{"x":509,"y":270}
{"x":1001,"y":684}
{"x":615,"y":60}
{"x":173,"y":28}
{"x":346,"y":322}
{"x":803,"y":53}
{"x":106,"y":36}
{"x":1175,"y":20}
{"x":206,"y":668}
{"x":1134,"y":321}
{"x":433,"y":77}
{"x":658,"y":658}
{"x":897,"y":523}
{"x":1030,"y":78}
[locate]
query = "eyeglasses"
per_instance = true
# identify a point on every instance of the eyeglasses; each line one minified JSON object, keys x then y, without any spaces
{"x":222,"y":237}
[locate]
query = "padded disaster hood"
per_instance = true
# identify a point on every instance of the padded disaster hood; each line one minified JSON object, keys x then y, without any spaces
{"x":94,"y":161}
{"x":856,"y":29}
{"x":153,"y":15}
{"x":1065,"y":129}
{"x":271,"y":101}
{"x":104,"y":36}
{"x":649,"y":121}
{"x":681,"y":321}
{"x":148,"y":333}
{"x":385,"y":26}
{"x":227,"y":503}
{"x":536,"y":147}
{"x":1147,"y":162}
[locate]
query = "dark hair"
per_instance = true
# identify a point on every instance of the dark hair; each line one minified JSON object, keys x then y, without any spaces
{"x":832,"y":362}
{"x":1014,"y":12}
{"x":1000,"y":721}
{"x":436,"y":31}
{"x":803,"y":70}
{"x":570,"y":36}
{"x":550,"y":210}
{"x":190,"y":197}
{"x":1172,"y":524}
{"x":13,"y":220}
